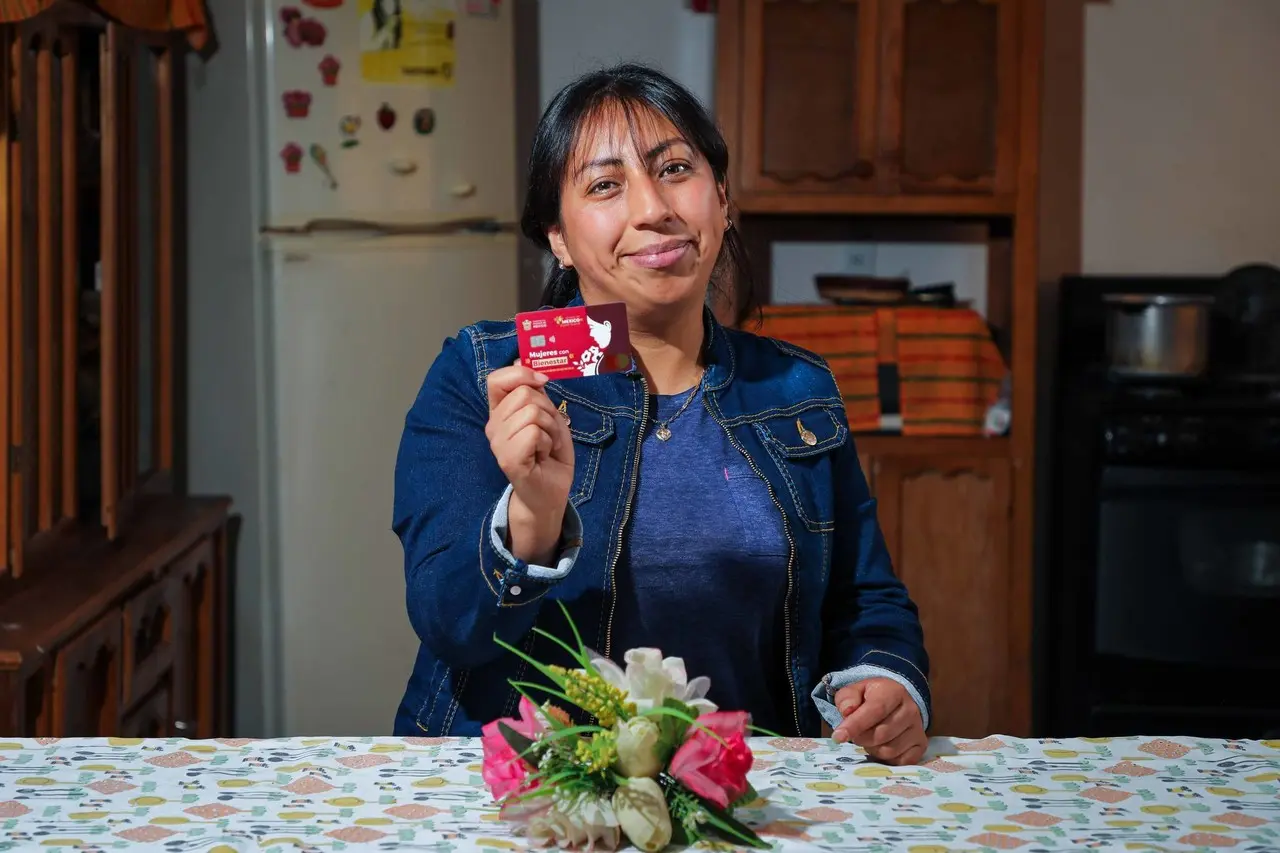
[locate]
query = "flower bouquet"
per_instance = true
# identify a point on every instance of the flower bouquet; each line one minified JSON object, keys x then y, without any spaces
{"x":660,"y":764}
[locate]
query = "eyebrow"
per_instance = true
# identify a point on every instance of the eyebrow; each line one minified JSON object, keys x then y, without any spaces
{"x":614,"y":162}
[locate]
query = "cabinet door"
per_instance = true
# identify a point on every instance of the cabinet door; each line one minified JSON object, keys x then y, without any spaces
{"x":946,"y":523}
{"x":808,"y":91}
{"x":86,"y":682}
{"x":949,"y":77}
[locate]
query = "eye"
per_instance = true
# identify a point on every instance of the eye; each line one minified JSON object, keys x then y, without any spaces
{"x":675,"y":169}
{"x":600,"y":187}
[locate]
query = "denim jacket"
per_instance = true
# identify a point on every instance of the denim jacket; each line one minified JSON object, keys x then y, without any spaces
{"x":847,"y":617}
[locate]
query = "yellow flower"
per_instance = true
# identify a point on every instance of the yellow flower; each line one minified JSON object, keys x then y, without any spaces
{"x":594,"y":695}
{"x":598,"y":753}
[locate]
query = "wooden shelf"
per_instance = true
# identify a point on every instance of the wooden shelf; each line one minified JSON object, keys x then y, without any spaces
{"x":878,"y":205}
{"x":885,"y":444}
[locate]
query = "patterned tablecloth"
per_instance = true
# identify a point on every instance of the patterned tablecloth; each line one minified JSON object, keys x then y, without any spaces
{"x":419,"y":794}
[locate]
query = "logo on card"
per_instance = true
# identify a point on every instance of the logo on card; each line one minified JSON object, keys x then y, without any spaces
{"x":527,"y":325}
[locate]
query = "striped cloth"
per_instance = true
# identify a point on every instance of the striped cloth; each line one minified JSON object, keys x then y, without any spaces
{"x":188,"y":15}
{"x":920,"y":371}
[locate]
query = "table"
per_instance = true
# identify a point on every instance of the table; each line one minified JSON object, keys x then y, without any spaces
{"x":419,"y":794}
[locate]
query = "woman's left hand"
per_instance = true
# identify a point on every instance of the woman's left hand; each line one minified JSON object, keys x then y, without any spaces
{"x":881,"y":717}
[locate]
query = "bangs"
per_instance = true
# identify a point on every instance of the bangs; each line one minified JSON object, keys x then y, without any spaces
{"x":618,"y":121}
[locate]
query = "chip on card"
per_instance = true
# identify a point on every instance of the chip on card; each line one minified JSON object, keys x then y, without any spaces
{"x":582,"y":340}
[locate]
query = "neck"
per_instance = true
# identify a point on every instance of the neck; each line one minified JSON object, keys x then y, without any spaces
{"x":670,"y":355}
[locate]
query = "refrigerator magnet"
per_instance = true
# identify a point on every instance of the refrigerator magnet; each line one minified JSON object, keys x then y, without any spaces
{"x":349,"y":126}
{"x":386,"y":116}
{"x":299,"y":30}
{"x":292,"y":156}
{"x":297,"y":103}
{"x":321,"y":158}
{"x":424,"y":121}
{"x":329,"y":68}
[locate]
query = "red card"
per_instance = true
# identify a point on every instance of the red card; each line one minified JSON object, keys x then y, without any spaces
{"x":566,"y":343}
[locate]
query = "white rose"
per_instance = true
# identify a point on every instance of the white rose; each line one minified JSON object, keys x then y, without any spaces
{"x":642,"y":813}
{"x":576,"y":821}
{"x":638,"y":747}
{"x":650,"y":678}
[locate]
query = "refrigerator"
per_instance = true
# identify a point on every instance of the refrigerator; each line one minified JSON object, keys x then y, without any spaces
{"x":389,"y":143}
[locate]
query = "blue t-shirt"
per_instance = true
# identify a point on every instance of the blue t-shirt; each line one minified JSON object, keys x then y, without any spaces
{"x":704,"y":572}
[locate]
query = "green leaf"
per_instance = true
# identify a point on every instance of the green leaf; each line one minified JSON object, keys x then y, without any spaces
{"x":571,"y":731}
{"x":540,"y":667}
{"x":676,"y":717}
{"x":523,"y":746}
{"x":578,"y":655}
{"x":717,"y":817}
{"x":582,"y":648}
{"x":559,"y":694}
{"x":731,"y":826}
{"x":763,"y":731}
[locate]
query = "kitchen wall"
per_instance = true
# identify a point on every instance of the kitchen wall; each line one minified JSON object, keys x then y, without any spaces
{"x":224,"y":343}
{"x":1181,"y":160}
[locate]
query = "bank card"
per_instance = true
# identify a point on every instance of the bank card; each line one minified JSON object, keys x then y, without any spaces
{"x":569,"y":343}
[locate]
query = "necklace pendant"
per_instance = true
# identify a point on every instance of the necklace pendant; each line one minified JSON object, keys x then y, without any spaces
{"x":663,"y":433}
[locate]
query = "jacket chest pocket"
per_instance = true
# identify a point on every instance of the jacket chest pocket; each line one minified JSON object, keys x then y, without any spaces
{"x":592,"y":431}
{"x":802,"y":446}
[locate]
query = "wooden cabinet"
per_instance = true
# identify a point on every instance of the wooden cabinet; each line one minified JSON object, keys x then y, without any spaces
{"x":946,"y":522}
{"x":113,"y":582}
{"x":124,"y":640}
{"x":867,"y":106}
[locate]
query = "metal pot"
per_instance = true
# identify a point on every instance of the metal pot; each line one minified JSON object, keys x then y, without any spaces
{"x":1158,"y":335}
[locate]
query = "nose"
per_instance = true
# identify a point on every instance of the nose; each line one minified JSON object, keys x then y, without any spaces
{"x":648,"y":204}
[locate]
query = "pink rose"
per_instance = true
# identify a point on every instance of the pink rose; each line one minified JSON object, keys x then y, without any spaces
{"x":713,"y":770}
{"x":503,"y":770}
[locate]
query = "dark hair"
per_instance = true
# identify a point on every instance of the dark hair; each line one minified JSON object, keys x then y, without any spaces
{"x":636,"y":89}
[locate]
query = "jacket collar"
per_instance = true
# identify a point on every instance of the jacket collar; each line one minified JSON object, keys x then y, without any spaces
{"x":717,"y":349}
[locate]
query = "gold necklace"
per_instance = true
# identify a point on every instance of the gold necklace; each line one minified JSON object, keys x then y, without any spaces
{"x":663,"y":432}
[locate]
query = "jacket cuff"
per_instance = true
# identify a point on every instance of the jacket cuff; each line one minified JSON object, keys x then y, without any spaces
{"x":519,"y":582}
{"x":824,"y":693}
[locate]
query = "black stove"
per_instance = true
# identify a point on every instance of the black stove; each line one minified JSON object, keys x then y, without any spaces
{"x":1162,"y":583}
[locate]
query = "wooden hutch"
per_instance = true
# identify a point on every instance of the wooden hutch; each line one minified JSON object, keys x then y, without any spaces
{"x":113,"y":582}
{"x":927,"y":121}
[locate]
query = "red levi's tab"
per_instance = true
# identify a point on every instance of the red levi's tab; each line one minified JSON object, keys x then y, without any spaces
{"x":583,"y":340}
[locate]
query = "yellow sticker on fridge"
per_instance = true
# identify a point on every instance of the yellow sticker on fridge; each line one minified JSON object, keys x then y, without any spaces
{"x":407,"y":41}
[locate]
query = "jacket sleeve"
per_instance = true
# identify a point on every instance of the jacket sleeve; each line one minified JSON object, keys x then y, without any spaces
{"x":462,"y":584}
{"x":871,"y":627}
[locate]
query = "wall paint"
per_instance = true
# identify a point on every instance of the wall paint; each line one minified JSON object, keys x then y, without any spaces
{"x":224,"y":352}
{"x":581,"y":35}
{"x":1181,"y":161}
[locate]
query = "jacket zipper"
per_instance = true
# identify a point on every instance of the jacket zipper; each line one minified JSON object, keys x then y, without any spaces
{"x":791,"y":561}
{"x":626,"y":514}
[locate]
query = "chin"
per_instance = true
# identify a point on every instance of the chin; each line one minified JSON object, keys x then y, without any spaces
{"x":666,"y":292}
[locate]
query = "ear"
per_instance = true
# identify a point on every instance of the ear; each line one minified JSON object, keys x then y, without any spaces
{"x":558,"y":246}
{"x":724,"y":203}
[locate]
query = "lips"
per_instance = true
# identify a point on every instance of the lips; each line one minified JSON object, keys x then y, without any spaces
{"x":660,"y":255}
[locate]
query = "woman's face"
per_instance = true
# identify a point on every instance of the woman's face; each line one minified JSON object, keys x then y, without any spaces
{"x":641,"y":216}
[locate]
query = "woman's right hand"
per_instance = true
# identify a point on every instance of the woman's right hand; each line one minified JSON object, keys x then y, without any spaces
{"x":532,"y":445}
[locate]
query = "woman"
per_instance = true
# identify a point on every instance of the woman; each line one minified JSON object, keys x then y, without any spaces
{"x":709,"y":502}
